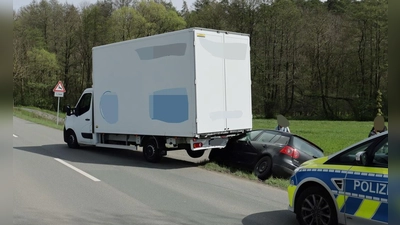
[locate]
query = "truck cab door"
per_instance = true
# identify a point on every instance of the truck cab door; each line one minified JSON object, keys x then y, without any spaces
{"x":83,"y":119}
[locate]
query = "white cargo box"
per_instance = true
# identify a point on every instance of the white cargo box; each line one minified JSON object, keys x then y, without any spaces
{"x":184,"y":83}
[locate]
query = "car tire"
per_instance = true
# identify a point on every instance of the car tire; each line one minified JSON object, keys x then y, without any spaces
{"x":72,"y":142}
{"x":320,"y":207}
{"x":263,"y":168}
{"x":215,"y":155}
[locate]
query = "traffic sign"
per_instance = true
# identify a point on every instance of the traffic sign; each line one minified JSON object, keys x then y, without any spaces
{"x":59,"y":87}
{"x":58,"y":94}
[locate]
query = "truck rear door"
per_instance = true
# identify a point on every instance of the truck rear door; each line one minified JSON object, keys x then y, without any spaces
{"x":210,"y":81}
{"x":223,"y":84}
{"x":237,"y":82}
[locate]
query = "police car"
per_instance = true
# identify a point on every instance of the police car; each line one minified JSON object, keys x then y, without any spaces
{"x":348,"y":187}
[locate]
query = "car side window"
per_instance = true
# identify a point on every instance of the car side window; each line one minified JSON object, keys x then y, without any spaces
{"x":84,"y":104}
{"x":381,"y":155}
{"x":281,"y":139}
{"x":306,"y":147}
{"x":250,"y":135}
{"x":266,"y":137}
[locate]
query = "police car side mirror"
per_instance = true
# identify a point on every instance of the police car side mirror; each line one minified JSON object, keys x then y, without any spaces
{"x":361,"y":158}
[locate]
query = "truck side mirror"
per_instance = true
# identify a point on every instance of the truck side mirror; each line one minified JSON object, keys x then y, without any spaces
{"x":361,"y":158}
{"x":76,"y":111}
{"x":68,"y":110}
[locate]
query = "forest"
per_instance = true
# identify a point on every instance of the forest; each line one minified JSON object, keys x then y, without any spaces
{"x":310,"y":59}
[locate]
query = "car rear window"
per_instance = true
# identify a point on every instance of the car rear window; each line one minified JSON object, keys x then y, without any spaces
{"x":306,"y":147}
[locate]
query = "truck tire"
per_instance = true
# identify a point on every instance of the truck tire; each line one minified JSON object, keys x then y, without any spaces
{"x":71,"y":139}
{"x":151,"y":152}
{"x":195,"y":154}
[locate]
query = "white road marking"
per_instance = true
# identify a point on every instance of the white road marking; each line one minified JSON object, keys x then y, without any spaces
{"x":15,"y":135}
{"x":78,"y":170}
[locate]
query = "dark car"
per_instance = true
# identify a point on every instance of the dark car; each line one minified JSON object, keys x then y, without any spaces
{"x":267,"y":152}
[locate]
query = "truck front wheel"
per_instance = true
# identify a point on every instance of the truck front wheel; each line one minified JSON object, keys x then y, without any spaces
{"x":151,"y":152}
{"x":71,"y":139}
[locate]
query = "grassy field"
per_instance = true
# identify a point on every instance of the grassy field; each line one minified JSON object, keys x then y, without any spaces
{"x":33,"y":117}
{"x":331,"y":136}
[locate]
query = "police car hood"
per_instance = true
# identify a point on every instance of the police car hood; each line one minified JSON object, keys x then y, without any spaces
{"x":315,"y":161}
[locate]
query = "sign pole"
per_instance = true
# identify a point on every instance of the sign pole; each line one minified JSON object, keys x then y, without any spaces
{"x":58,"y":108}
{"x":59,"y":92}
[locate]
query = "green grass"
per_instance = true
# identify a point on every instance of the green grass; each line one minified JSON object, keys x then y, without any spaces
{"x":275,"y":182}
{"x":331,"y":136}
{"x":32,"y":117}
{"x":54,"y":113}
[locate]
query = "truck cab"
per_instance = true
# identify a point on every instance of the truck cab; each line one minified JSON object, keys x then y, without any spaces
{"x":78,"y":128}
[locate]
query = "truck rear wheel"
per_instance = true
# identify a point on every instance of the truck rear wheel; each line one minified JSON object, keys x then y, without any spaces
{"x":151,"y":152}
{"x":195,"y":154}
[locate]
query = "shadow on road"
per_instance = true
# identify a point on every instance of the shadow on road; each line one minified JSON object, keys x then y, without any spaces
{"x":93,"y":216}
{"x":284,"y":217}
{"x":105,"y":156}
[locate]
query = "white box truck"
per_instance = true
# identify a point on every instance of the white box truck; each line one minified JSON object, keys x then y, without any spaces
{"x":188,"y":89}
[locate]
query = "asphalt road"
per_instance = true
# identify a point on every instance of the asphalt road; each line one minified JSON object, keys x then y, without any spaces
{"x":57,"y":185}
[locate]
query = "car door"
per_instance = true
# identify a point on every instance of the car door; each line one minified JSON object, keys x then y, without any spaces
{"x":83,"y":119}
{"x":243,"y":150}
{"x":367,"y":187}
{"x":258,"y":145}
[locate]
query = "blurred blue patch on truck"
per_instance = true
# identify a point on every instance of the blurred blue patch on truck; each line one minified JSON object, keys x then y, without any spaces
{"x":169,"y":105}
{"x":109,"y":107}
{"x":155,"y":52}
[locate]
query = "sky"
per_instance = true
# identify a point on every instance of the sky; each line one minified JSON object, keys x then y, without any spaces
{"x":20,"y":3}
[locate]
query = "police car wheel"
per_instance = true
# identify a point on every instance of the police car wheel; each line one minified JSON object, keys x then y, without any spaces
{"x":315,"y":206}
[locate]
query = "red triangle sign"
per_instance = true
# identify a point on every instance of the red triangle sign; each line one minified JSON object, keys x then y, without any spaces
{"x":59,"y":87}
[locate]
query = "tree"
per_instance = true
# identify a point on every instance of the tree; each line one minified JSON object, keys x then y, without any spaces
{"x":159,"y":19}
{"x":43,"y":68}
{"x":127,"y":24}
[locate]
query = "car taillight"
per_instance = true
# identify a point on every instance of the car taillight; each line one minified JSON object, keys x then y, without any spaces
{"x":197,"y":145}
{"x":292,"y":152}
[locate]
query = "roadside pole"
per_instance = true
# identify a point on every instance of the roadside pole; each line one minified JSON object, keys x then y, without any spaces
{"x":59,"y":93}
{"x":58,"y":108}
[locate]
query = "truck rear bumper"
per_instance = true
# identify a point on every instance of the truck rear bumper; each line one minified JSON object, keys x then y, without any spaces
{"x":204,"y":144}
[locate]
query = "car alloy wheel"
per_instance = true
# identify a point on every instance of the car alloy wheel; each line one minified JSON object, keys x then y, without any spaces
{"x":315,"y":207}
{"x":315,"y":210}
{"x":263,"y":168}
